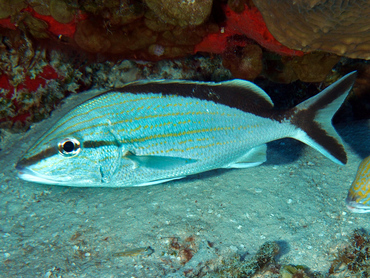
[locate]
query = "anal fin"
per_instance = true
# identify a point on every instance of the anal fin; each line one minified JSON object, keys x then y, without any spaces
{"x":252,"y":158}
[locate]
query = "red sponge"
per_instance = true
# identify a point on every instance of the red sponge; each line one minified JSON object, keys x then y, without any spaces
{"x":249,"y":23}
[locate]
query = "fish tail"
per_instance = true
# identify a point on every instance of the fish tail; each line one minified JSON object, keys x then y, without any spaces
{"x":312,"y":119}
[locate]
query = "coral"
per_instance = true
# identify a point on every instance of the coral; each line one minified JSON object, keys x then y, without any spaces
{"x":337,"y":26}
{"x":311,"y":67}
{"x":28,"y":82}
{"x":36,"y":27}
{"x":126,"y":29}
{"x":91,"y":37}
{"x":237,"y":6}
{"x":146,"y":39}
{"x":184,"y":250}
{"x":354,"y":260}
{"x":244,"y":63}
{"x":24,"y":102}
{"x":351,"y":261}
{"x":8,"y":8}
{"x":291,"y":271}
{"x":33,"y":81}
{"x":181,"y":12}
{"x":23,"y":80}
{"x":235,"y":267}
{"x":60,"y":11}
{"x":38,"y":21}
{"x":129,"y":29}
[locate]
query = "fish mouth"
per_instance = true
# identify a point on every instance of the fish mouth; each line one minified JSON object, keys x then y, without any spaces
{"x":30,"y":175}
{"x":27,"y":174}
{"x":355,"y":207}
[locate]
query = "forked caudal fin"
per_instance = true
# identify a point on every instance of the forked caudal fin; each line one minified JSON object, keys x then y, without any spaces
{"x":313,"y":119}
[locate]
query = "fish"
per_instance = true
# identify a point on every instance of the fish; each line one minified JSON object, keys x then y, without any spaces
{"x":145,"y":251}
{"x":150,"y":132}
{"x":358,"y":197}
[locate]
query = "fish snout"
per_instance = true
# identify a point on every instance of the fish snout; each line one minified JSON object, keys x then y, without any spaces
{"x":354,"y":206}
{"x":21,"y":165}
{"x":25,"y":172}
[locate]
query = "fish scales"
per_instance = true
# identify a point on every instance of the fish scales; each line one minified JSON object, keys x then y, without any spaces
{"x":151,"y":132}
{"x":359,"y":193}
{"x":208,"y":131}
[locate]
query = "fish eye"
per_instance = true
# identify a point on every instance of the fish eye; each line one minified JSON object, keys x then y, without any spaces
{"x":69,"y":147}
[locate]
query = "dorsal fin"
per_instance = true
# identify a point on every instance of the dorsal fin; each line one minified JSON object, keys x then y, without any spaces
{"x":237,"y":93}
{"x":248,"y":87}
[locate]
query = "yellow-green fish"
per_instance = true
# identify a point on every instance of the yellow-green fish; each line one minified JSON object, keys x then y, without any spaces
{"x":359,"y":194}
{"x":152,"y":132}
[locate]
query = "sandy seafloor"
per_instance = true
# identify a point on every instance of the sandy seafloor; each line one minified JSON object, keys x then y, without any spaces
{"x":296,"y":198}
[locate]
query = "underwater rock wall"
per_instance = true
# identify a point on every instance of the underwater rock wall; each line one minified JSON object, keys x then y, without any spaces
{"x":52,"y":48}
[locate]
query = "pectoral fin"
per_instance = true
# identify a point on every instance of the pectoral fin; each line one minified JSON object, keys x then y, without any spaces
{"x":253,"y":157}
{"x":159,"y":162}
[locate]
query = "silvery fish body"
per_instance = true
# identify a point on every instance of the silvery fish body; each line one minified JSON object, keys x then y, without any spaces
{"x":151,"y":132}
{"x":358,"y":199}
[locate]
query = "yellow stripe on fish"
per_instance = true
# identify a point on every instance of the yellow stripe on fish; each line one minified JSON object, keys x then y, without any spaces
{"x":152,"y":132}
{"x":358,"y":198}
